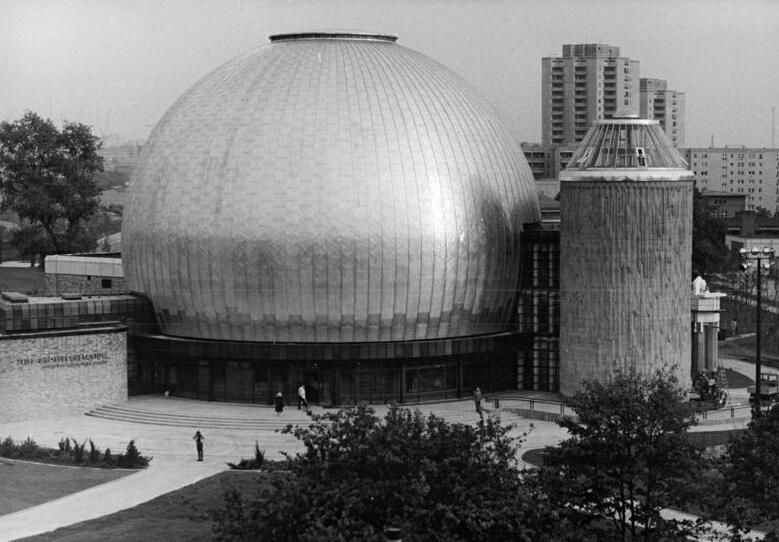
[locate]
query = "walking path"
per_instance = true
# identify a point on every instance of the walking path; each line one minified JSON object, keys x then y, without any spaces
{"x":163,"y":428}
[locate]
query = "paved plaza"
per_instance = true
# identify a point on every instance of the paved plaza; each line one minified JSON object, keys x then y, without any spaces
{"x":163,"y":428}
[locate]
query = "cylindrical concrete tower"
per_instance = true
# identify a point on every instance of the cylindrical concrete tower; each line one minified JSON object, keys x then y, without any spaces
{"x":625,"y":251}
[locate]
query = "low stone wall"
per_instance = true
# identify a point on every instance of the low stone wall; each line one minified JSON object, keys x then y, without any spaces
{"x":48,"y":375}
{"x":56,"y":284}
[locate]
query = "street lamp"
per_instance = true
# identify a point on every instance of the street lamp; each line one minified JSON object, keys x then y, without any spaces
{"x":757,"y":255}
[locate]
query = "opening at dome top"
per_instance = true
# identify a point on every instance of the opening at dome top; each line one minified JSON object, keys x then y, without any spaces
{"x":368,"y":36}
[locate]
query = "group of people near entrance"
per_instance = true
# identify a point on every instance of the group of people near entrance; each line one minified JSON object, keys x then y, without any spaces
{"x":278,"y":401}
{"x":278,"y":404}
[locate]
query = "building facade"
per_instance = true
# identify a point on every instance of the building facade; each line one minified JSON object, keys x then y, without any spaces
{"x":666,"y":106}
{"x":752,"y":172}
{"x":724,"y":204}
{"x":63,"y":355}
{"x":589,"y":82}
{"x":355,"y":226}
{"x":625,"y":255}
{"x":546,"y":162}
{"x":538,"y":313}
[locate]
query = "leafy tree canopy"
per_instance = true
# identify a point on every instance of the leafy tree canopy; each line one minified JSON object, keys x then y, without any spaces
{"x":751,"y":472}
{"x":47,"y":178}
{"x":360,"y":474}
{"x":626,"y":455}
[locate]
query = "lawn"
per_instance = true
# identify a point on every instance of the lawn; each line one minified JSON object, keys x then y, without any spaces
{"x":21,"y":279}
{"x":179,"y":515}
{"x":28,"y":484}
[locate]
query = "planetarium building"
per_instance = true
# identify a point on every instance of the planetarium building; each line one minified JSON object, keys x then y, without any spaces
{"x":331,"y":209}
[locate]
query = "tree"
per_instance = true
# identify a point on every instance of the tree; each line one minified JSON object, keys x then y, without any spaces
{"x":751,"y":471}
{"x":106,"y":221}
{"x":709,"y":251}
{"x":47,"y":178}
{"x":360,"y":474}
{"x":626,"y":456}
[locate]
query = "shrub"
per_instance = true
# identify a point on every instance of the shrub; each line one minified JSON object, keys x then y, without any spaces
{"x":8,"y":448}
{"x":29,"y":448}
{"x":78,"y":451}
{"x":26,"y":450}
{"x":251,"y":464}
{"x":64,"y":445}
{"x":132,"y":458}
{"x":108,"y":459}
{"x":94,"y":452}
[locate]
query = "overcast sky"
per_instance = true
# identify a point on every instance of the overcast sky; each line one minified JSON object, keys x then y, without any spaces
{"x":119,"y":64}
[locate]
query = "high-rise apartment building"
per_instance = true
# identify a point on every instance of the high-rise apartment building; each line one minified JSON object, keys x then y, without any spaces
{"x":589,"y":82}
{"x":752,"y":172}
{"x":667,"y":106}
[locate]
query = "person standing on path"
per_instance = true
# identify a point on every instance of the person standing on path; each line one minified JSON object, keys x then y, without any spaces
{"x":302,"y":396}
{"x":199,"y":438}
{"x":278,"y":402}
{"x":477,"y":397}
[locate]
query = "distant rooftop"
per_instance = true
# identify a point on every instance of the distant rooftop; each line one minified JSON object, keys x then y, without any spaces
{"x":590,"y":50}
{"x":719,"y":194}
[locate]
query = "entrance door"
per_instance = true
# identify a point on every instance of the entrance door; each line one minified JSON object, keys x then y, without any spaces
{"x":431,"y":382}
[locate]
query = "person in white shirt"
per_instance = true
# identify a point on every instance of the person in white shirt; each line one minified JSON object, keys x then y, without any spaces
{"x":302,"y":396}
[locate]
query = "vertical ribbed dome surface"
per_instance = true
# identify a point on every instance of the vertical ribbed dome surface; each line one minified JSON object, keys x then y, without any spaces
{"x":329,"y":188}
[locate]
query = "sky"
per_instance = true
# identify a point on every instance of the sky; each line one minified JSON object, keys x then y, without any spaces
{"x":117,"y":65}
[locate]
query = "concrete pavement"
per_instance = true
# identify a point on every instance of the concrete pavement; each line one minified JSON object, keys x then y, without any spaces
{"x":173,"y":451}
{"x":173,"y":465}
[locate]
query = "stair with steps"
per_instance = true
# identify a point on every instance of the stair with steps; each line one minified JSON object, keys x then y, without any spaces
{"x":196,"y":414}
{"x":264,"y":420}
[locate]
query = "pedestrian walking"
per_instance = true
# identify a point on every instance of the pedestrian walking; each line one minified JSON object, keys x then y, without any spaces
{"x":199,"y":438}
{"x":302,"y":396}
{"x":477,"y":397}
{"x":278,"y":402}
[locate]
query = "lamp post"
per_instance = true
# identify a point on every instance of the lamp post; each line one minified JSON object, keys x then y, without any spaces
{"x":757,"y":255}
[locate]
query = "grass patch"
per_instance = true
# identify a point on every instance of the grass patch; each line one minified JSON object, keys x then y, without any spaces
{"x":743,"y":349}
{"x":737,"y":380}
{"x":27,"y":280}
{"x":29,"y":484}
{"x":179,"y":515}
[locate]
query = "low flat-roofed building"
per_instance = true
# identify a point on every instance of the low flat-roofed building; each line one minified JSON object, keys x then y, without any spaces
{"x":724,"y":204}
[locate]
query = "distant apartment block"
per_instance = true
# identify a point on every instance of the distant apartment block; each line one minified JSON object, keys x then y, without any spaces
{"x":666,"y":106}
{"x":546,"y":162}
{"x":751,"y":172}
{"x":588,"y":82}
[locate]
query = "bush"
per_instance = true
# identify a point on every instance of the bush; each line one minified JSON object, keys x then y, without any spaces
{"x":94,"y":452}
{"x":64,"y":446}
{"x":251,"y":464}
{"x":70,"y":451}
{"x":360,"y":474}
{"x":78,"y":451}
{"x":132,"y":458}
{"x":8,"y":448}
{"x":28,"y":449}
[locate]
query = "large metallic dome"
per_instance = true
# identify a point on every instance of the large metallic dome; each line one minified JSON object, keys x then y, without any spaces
{"x":329,"y":188}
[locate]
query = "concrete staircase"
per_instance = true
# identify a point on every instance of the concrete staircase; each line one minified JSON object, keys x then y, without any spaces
{"x":265,"y":418}
{"x":204,"y":415}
